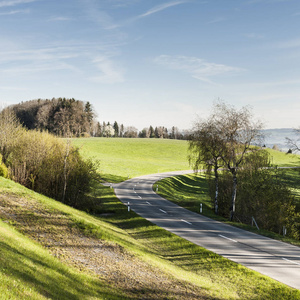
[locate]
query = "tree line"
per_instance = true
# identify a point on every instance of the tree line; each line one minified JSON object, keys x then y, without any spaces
{"x":243,"y":182}
{"x":69,"y":117}
{"x":116,"y":130}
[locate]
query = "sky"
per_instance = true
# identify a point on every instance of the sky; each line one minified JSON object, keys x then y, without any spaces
{"x":152,"y":62}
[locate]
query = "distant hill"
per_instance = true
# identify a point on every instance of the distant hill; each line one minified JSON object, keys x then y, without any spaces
{"x":278,"y":137}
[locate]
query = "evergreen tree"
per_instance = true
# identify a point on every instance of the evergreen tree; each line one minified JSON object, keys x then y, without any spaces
{"x":116,"y":128}
{"x":151,"y":132}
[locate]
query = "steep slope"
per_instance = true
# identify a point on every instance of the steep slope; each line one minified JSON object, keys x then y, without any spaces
{"x":68,"y":235}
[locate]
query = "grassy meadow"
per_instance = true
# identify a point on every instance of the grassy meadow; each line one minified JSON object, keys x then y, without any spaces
{"x":123,"y":158}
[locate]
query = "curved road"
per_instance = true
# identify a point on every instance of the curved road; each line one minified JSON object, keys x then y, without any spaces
{"x":275,"y":259}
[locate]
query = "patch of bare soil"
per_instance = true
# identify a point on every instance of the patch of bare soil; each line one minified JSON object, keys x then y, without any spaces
{"x":112,"y":263}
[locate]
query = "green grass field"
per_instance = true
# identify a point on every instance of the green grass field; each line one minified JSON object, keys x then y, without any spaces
{"x":282,"y":159}
{"x":121,"y":158}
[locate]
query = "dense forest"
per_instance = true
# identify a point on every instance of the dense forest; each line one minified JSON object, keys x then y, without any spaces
{"x":63,"y":117}
{"x":76,"y":118}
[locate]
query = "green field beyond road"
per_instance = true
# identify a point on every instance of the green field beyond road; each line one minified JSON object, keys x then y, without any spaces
{"x":122,"y":157}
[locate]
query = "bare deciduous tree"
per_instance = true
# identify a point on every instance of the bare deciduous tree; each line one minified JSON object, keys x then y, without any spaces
{"x":294,"y":144}
{"x":238,"y":133}
{"x":227,"y":136}
{"x":10,"y":130}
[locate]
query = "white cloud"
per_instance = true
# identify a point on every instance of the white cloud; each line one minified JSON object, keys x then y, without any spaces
{"x":94,"y":13}
{"x":161,"y":7}
{"x":31,"y":61}
{"x":54,"y":19}
{"x":14,"y":12}
{"x":109,"y":72}
{"x":38,"y":68}
{"x":266,"y":1}
{"x":14,"y":2}
{"x":151,"y":11}
{"x":35,"y":55}
{"x":196,"y":67}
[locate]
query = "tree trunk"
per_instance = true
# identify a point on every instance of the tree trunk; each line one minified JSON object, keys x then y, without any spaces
{"x":217,"y":190}
{"x":65,"y":170}
{"x":232,"y":208}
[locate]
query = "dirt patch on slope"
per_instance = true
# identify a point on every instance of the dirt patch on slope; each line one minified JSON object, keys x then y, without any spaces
{"x":112,"y":263}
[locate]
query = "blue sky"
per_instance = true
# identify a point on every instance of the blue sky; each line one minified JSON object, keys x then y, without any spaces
{"x":151,"y":62}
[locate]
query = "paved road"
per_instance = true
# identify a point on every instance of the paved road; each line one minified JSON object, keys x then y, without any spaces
{"x":275,"y":259}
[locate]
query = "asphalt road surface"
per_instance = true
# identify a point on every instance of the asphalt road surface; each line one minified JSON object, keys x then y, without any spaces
{"x":275,"y":259}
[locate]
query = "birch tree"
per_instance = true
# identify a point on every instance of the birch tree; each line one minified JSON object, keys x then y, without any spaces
{"x":205,"y":149}
{"x":238,"y":133}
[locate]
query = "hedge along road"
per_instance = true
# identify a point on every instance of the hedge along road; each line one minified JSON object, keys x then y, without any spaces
{"x":275,"y":259}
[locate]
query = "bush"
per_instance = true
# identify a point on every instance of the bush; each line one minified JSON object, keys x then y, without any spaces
{"x":51,"y":166}
{"x":85,"y":135}
{"x":3,"y":168}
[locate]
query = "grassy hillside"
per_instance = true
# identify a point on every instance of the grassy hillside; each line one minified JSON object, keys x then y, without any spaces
{"x":281,"y":159}
{"x":28,"y":271}
{"x":121,"y":158}
{"x":52,"y":251}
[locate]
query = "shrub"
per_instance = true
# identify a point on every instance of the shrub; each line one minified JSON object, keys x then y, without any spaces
{"x":51,"y":166}
{"x":3,"y":168}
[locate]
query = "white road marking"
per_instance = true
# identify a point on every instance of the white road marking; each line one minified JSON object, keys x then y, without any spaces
{"x":186,"y":222}
{"x":148,"y":203}
{"x":163,"y":211}
{"x":140,"y":197}
{"x":227,"y":238}
{"x":293,"y":262}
